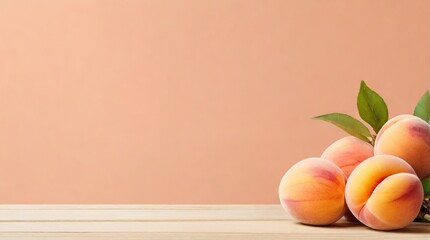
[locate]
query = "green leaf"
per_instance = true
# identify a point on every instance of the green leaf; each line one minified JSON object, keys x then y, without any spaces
{"x":371,"y":107}
{"x":422,"y":110}
{"x":348,"y":124}
{"x":426,"y":185}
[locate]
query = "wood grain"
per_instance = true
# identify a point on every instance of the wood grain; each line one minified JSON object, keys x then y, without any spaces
{"x":176,"y":222}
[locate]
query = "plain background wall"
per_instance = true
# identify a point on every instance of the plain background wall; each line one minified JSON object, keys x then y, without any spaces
{"x":189,"y":101}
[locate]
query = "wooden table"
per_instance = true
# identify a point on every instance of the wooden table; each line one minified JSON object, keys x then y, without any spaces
{"x":177,"y":222}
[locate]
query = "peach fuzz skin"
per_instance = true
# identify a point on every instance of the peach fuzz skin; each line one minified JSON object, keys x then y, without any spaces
{"x":347,"y":153}
{"x":384,"y":193}
{"x":407,"y":137}
{"x":312,"y":192}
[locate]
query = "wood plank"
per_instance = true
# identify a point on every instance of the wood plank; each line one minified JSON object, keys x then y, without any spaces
{"x":282,"y":226}
{"x":205,"y":236}
{"x":139,"y":212}
{"x":177,"y":222}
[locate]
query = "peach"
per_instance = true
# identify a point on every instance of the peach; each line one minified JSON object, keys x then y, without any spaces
{"x":407,"y":137}
{"x":384,"y":193}
{"x":347,"y":153}
{"x":312,"y":192}
{"x":390,"y":122}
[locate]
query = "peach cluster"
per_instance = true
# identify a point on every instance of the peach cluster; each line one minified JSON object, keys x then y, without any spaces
{"x":380,"y":185}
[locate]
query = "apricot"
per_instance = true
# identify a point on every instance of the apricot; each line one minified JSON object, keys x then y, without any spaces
{"x":384,"y":193}
{"x":312,"y":192}
{"x":347,"y":153}
{"x":407,"y":137}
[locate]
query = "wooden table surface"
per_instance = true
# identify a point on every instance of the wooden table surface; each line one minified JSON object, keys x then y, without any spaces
{"x":177,"y":222}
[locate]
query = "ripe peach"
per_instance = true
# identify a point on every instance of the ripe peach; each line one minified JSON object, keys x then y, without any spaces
{"x":312,"y":192}
{"x":407,"y":137}
{"x":390,"y":122}
{"x":347,"y":153}
{"x":384,"y":193}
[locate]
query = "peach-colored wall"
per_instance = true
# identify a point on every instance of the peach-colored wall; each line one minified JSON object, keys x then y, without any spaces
{"x":189,"y":101}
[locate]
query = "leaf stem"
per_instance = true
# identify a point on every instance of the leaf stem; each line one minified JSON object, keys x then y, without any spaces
{"x":424,"y":214}
{"x":373,"y":139}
